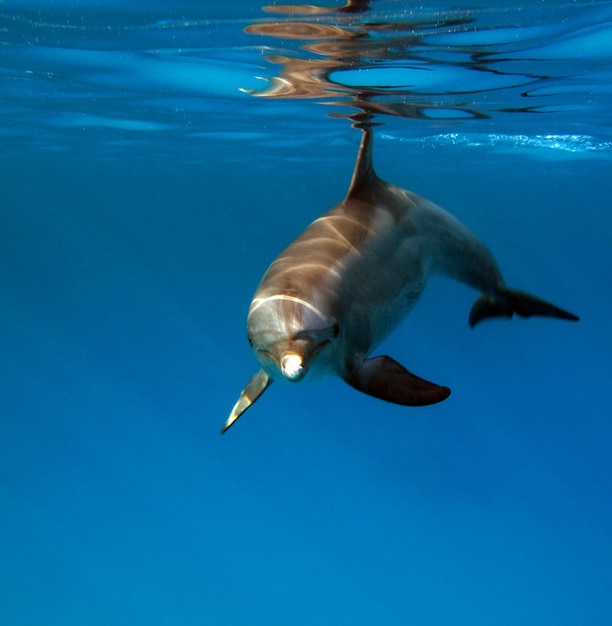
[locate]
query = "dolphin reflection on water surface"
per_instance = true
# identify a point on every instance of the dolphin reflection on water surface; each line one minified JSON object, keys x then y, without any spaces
{"x":352,"y":276}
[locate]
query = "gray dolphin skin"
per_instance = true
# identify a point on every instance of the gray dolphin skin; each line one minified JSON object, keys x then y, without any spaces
{"x":348,"y":280}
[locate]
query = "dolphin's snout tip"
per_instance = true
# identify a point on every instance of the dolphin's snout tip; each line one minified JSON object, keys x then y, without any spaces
{"x":292,"y":368}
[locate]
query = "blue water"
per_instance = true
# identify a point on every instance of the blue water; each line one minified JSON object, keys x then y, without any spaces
{"x":154,"y":161}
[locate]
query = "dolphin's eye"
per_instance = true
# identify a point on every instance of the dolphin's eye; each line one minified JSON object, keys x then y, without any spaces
{"x":336,"y":330}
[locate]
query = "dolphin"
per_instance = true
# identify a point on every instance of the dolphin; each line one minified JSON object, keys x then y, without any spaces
{"x":352,"y":276}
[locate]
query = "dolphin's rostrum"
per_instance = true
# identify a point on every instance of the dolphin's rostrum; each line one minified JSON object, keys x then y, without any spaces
{"x":342,"y":286}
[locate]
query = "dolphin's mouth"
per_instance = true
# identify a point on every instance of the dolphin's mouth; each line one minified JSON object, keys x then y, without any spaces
{"x":292,"y":365}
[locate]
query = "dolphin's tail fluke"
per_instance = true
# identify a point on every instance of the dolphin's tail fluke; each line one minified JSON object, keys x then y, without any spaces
{"x":506,"y":302}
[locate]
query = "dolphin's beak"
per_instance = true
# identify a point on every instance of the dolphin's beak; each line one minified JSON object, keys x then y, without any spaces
{"x":292,"y":367}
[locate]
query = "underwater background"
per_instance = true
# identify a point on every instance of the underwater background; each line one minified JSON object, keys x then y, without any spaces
{"x":155,"y":158}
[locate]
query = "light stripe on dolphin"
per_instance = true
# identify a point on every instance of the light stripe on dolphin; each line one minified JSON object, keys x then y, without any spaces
{"x":352,"y":276}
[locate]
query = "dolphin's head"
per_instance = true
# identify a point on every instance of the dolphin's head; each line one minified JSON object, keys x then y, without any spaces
{"x":291,"y":338}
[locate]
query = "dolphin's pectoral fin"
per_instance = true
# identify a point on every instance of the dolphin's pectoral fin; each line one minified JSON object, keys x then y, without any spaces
{"x":507,"y":302}
{"x":384,"y":378}
{"x":254,"y":388}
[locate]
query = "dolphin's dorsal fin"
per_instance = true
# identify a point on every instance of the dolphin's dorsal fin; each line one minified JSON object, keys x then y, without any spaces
{"x":364,"y":174}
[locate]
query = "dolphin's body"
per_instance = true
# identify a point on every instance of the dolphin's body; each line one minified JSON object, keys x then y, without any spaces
{"x":344,"y":284}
